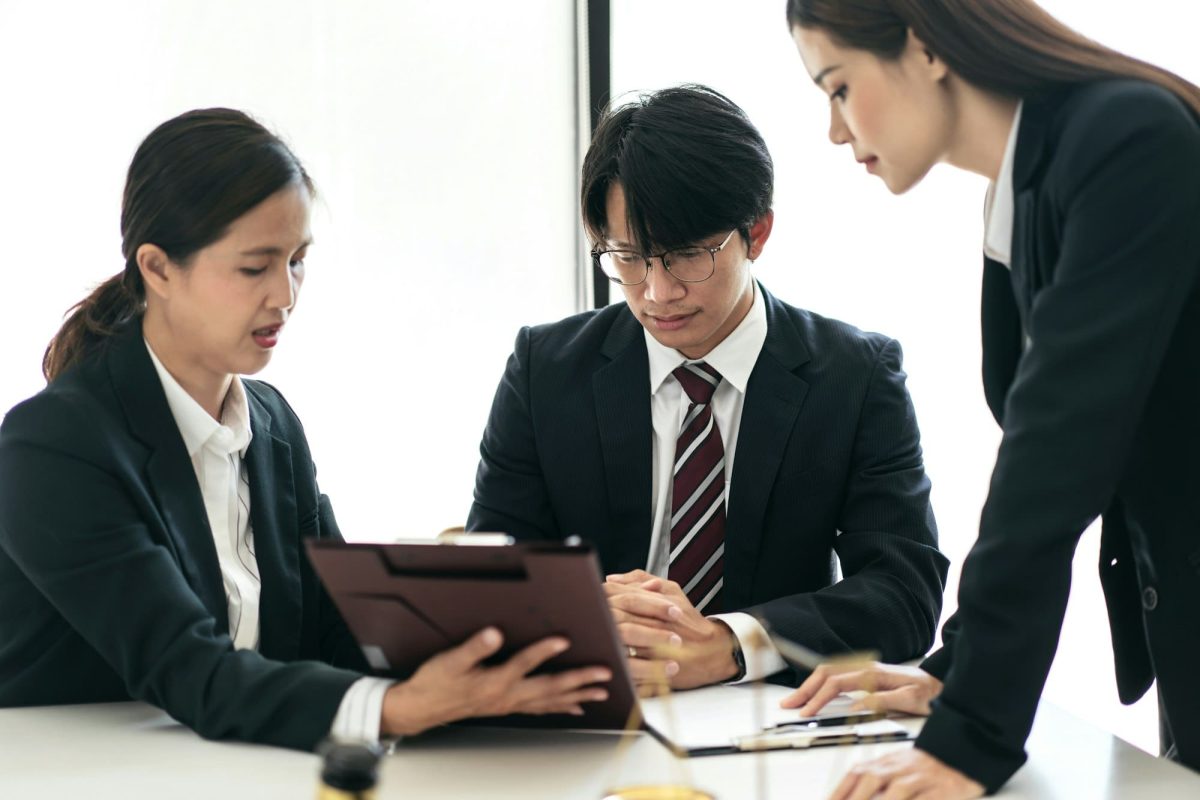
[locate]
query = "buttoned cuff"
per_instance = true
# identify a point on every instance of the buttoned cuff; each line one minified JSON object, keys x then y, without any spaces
{"x":762,"y":659}
{"x":359,"y":716}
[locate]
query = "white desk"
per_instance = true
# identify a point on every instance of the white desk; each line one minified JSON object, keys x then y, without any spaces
{"x":130,"y":750}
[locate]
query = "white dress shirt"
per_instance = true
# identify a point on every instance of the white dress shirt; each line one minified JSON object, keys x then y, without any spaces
{"x":218,"y":450}
{"x":1000,"y":205}
{"x":734,"y":358}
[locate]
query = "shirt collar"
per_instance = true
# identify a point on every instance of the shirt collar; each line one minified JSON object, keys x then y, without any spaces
{"x":734,"y":357}
{"x":1000,"y":205}
{"x":231,"y":435}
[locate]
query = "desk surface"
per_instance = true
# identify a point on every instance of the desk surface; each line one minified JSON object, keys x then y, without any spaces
{"x":130,"y":750}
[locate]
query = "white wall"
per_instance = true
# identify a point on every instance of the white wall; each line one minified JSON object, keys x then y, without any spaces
{"x":910,"y":267}
{"x":442,"y":140}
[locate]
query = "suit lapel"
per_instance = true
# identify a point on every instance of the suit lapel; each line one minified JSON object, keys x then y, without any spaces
{"x":273,"y":517}
{"x":1032,"y":138}
{"x":1000,"y":323}
{"x":621,"y":390}
{"x":1008,"y":293}
{"x":169,"y":469}
{"x":774,"y":396}
{"x":1029,"y":162}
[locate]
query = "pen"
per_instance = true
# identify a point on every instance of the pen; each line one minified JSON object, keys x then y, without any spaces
{"x":752,"y":744}
{"x":826,"y":722}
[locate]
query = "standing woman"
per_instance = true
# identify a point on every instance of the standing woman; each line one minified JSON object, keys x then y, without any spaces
{"x":153,"y":504}
{"x":1091,"y":356}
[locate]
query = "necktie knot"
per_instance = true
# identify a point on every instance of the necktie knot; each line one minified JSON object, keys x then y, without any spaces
{"x":698,"y":380}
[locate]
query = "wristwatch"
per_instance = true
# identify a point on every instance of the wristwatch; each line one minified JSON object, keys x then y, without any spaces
{"x":739,"y":658}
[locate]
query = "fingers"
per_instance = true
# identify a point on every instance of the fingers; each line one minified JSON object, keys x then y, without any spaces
{"x":906,"y":775}
{"x":612,"y":588}
{"x":891,"y":689}
{"x":821,"y":687}
{"x":530,"y":658}
{"x":906,"y":787}
{"x":645,"y":604}
{"x":645,"y":670}
{"x":641,"y":579}
{"x":832,"y":687}
{"x":652,"y":689}
{"x":905,"y":700}
{"x":566,"y":688}
{"x":846,"y":788}
{"x":661,"y":586}
{"x":820,"y":676}
{"x":864,"y":781}
{"x":556,"y":694}
{"x":568,"y":703}
{"x":636,"y":576}
{"x":807,"y":689}
{"x":620,"y":616}
{"x":651,"y":639}
{"x":866,"y":787}
{"x":467,"y":655}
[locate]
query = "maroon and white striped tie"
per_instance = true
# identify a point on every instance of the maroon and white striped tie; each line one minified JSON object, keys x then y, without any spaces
{"x":698,"y":494}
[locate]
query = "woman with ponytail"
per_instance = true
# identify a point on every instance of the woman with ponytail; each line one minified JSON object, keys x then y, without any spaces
{"x":1091,"y":349}
{"x":153,"y":503}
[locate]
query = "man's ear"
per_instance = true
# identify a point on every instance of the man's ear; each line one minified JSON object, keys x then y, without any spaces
{"x":936,"y":69}
{"x":152,"y":263}
{"x":759,"y":233}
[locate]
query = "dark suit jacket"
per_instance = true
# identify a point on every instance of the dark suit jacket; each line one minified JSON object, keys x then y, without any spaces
{"x":828,"y":442}
{"x":110,"y":587}
{"x":1099,"y":411}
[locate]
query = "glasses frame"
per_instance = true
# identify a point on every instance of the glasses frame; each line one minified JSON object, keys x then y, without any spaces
{"x":663,"y":257}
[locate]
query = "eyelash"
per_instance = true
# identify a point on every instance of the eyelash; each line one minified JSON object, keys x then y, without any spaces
{"x":256,"y":271}
{"x":840,"y":94}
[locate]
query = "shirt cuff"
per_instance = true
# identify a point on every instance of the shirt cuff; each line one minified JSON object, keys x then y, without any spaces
{"x":762,"y":659}
{"x":359,"y":715}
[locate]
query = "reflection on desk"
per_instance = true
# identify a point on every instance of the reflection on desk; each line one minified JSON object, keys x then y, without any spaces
{"x":131,"y":750}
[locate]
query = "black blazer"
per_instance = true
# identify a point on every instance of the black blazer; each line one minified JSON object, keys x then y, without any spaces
{"x":110,"y":587}
{"x":828,"y":442}
{"x":1092,"y":366}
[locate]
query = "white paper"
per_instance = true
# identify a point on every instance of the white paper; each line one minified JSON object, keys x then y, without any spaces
{"x":716,"y":715}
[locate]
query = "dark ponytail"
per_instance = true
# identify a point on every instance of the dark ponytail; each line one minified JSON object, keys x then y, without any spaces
{"x":189,"y":180}
{"x":1013,"y":48}
{"x":93,"y":319}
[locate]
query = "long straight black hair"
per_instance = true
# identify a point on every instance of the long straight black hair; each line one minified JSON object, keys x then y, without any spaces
{"x":1014,"y":48}
{"x":189,"y":179}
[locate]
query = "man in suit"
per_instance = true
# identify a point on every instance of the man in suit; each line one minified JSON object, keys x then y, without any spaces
{"x":718,"y":446}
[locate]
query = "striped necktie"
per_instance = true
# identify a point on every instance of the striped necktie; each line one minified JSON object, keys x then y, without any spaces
{"x":698,"y":494}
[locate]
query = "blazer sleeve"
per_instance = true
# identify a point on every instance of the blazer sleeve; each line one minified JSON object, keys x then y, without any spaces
{"x":510,"y":491}
{"x":337,"y":645}
{"x":890,"y":597}
{"x":1126,"y":187}
{"x":75,"y":531}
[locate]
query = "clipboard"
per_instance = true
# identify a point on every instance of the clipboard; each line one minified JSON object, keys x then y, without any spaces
{"x":725,"y":720}
{"x":407,"y":602}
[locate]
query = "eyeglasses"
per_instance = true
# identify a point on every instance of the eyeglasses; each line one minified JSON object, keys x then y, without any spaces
{"x":691,"y":264}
